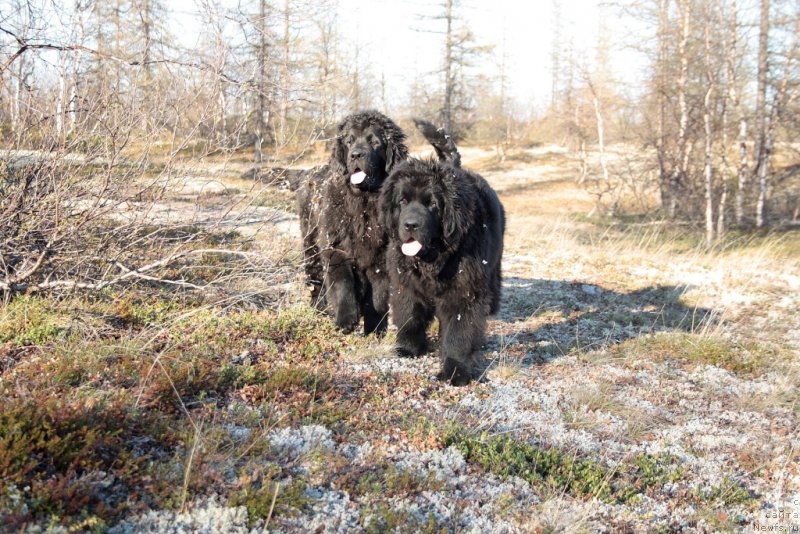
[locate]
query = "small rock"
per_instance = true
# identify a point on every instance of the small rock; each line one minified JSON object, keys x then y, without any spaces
{"x":591,"y":289}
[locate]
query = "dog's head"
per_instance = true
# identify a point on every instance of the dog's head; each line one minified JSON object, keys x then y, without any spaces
{"x":368,"y":145}
{"x":426,"y":207}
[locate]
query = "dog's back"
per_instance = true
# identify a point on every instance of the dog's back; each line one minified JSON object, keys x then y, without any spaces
{"x":309,"y":209}
{"x":496,"y":222}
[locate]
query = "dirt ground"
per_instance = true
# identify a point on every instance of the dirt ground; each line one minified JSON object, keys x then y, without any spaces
{"x":612,"y":342}
{"x":658,"y":378}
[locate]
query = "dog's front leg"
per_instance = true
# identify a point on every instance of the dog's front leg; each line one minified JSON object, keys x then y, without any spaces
{"x":375,"y":306}
{"x":342,"y":290}
{"x":412,"y":318}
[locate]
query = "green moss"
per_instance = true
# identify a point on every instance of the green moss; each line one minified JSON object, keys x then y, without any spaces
{"x":561,"y":472}
{"x":267,"y":498}
{"x":138,"y":313}
{"x":289,"y":379}
{"x":299,"y":324}
{"x":382,"y":518}
{"x":728,"y":492}
{"x":56,"y":453}
{"x":507,"y":457}
{"x":391,"y":481}
{"x":743,"y":359}
{"x":656,"y":471}
{"x":31,"y":321}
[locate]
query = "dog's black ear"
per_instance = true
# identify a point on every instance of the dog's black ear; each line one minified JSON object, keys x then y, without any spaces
{"x":339,"y":154}
{"x":396,"y":150}
{"x":391,"y":155}
{"x":387,"y":204}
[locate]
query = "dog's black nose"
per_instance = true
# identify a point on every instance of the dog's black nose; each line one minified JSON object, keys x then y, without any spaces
{"x":411,"y":224}
{"x":356,"y":153}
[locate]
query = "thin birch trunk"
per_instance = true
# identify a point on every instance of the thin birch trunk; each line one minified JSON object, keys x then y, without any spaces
{"x":743,"y":171}
{"x":447,"y":113}
{"x":727,"y":93}
{"x":261,"y":108}
{"x":601,"y":146}
{"x":762,"y":162}
{"x":661,"y":148}
{"x":683,"y":143}
{"x":708,"y":170}
{"x":780,"y":101}
{"x":16,"y":114}
{"x":62,"y":96}
{"x":285,"y":85}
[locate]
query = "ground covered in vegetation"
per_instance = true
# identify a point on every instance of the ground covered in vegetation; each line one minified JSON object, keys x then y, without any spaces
{"x":639,"y":382}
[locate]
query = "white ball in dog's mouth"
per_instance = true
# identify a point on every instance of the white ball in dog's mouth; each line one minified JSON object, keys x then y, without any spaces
{"x":411,"y":248}
{"x":357,"y":177}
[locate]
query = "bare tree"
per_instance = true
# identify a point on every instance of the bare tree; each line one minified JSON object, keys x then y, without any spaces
{"x":763,"y":143}
{"x":683,"y":142}
{"x":734,"y":95}
{"x":262,"y":52}
{"x":708,"y":164}
{"x":447,"y":106}
{"x":555,"y":54}
{"x":459,"y":54}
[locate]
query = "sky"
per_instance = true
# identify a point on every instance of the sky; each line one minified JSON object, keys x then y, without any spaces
{"x":396,"y":40}
{"x":522,"y":30}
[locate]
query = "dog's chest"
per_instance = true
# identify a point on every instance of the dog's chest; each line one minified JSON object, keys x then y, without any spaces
{"x":368,"y":236}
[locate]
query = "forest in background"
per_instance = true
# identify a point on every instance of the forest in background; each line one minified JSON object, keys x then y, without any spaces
{"x":711,"y":123}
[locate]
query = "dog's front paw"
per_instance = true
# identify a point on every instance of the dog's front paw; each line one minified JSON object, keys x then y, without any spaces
{"x":455,"y":373}
{"x":347,"y":322}
{"x":406,"y":352}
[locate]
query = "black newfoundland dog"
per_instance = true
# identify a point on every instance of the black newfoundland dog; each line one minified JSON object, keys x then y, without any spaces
{"x":446,"y":229}
{"x":340,"y":218}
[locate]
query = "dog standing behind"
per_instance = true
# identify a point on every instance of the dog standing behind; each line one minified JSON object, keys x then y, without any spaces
{"x":339,"y":206}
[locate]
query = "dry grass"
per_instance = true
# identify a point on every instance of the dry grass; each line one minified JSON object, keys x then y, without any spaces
{"x":620,"y":345}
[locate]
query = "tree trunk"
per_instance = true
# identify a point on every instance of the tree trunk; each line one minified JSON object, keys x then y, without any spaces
{"x":683,"y":144}
{"x":75,"y":67}
{"x":780,"y":101}
{"x":762,"y":162}
{"x":447,"y":111}
{"x":62,"y":97}
{"x":223,"y":120}
{"x":146,"y":15}
{"x":117,"y":20}
{"x":261,"y":106}
{"x":663,"y":179}
{"x":763,"y":179}
{"x":708,"y":170}
{"x":285,"y":84}
{"x":16,"y":113}
{"x":733,"y":91}
{"x":356,"y":81}
{"x":555,"y":55}
{"x":728,"y":94}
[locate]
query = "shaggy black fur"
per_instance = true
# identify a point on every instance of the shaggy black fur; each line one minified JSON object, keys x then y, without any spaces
{"x":452,"y":223}
{"x":344,"y":241}
{"x":441,"y":141}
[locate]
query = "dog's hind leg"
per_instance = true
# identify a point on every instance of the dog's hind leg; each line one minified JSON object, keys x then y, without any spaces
{"x":460,"y":338}
{"x":495,"y":287}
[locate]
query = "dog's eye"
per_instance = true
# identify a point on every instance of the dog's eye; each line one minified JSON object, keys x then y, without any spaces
{"x":349,"y":140}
